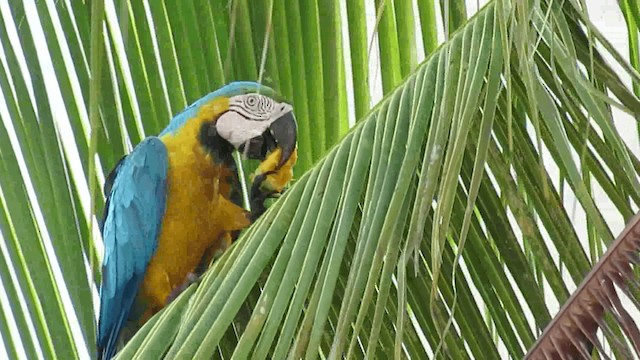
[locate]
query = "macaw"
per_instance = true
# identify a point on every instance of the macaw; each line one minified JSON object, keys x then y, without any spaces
{"x":174,"y":201}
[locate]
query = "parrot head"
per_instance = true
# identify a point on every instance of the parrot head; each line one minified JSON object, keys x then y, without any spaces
{"x":255,"y":120}
{"x":256,"y":123}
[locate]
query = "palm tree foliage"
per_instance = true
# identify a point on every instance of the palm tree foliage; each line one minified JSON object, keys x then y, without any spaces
{"x":430,"y":228}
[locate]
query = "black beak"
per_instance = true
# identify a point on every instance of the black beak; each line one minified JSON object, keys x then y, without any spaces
{"x":284,"y":131}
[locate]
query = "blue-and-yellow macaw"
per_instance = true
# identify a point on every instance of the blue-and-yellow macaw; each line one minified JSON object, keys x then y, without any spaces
{"x":174,"y":201}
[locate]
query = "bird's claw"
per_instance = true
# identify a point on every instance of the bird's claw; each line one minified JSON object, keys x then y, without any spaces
{"x":269,"y":181}
{"x":191,"y":278}
{"x":259,"y":196}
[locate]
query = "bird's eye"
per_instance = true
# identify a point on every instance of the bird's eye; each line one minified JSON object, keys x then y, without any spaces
{"x":252,"y":101}
{"x":257,"y":107}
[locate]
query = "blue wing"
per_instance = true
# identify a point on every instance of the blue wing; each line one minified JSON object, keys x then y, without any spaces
{"x":130,"y":230}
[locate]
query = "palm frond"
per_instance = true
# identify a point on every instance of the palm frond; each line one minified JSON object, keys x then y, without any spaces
{"x":423,"y":177}
{"x":432,"y":228}
{"x":573,"y":332}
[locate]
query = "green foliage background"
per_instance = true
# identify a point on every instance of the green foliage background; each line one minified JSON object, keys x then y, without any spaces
{"x":437,"y":199}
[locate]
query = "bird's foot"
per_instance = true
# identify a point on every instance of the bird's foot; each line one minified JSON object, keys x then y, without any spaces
{"x":272,"y":176}
{"x":259,"y":196}
{"x":269,"y":181}
{"x":192,"y":278}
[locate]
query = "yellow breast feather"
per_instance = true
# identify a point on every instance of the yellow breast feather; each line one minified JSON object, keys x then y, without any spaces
{"x":199,"y":215}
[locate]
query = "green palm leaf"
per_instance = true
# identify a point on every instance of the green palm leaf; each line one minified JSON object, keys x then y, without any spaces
{"x":431,"y":228}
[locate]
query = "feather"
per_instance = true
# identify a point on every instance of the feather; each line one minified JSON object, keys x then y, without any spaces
{"x":132,"y":222}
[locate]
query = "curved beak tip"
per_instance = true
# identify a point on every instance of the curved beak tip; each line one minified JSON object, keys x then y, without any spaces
{"x":284,"y":131}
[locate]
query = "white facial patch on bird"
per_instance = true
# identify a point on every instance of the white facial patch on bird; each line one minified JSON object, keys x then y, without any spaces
{"x":249,"y":116}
